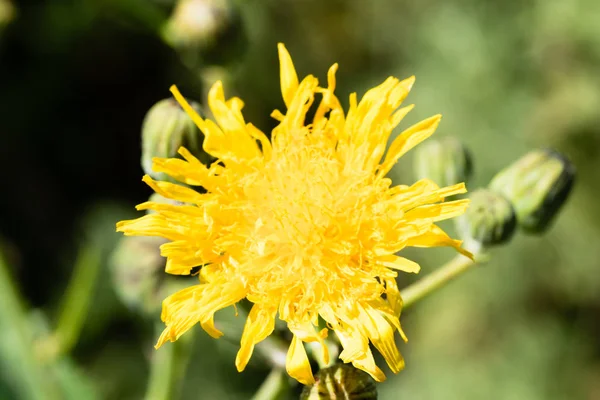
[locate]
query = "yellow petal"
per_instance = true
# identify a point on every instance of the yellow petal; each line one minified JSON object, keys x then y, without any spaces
{"x":438,"y":212}
{"x":353,"y":343}
{"x":215,"y":142}
{"x":367,"y":364}
{"x":306,"y":332}
{"x":288,"y":77}
{"x":235,"y":105}
{"x":265,"y":143}
{"x":423,"y":192}
{"x":231,"y":144}
{"x":198,"y":303}
{"x":259,"y":324}
{"x":393,"y":297}
{"x":437,"y":237}
{"x":407,"y":140}
{"x":183,"y":171}
{"x":178,"y":312}
{"x":381,"y":334}
{"x":329,"y":101}
{"x":186,"y":107}
{"x":399,"y":115}
{"x":277,"y":115}
{"x":236,"y":142}
{"x":399,"y":263}
{"x":400,"y":91}
{"x":173,"y":191}
{"x":300,"y":104}
{"x":209,"y":327}
{"x":181,"y":257}
{"x":297,"y":364}
{"x":149,"y":225}
{"x":356,"y":350}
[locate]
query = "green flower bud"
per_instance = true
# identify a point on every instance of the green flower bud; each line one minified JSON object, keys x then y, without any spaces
{"x":199,"y":28}
{"x":490,"y":219}
{"x":167,"y":127}
{"x":7,"y":12}
{"x":137,"y":268}
{"x":537,"y":186}
{"x":341,"y":381}
{"x":445,"y":161}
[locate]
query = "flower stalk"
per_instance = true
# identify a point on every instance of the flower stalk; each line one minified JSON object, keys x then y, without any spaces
{"x":17,"y":354}
{"x":437,"y":279}
{"x":77,"y":299}
{"x":274,"y":387}
{"x":167,"y":369}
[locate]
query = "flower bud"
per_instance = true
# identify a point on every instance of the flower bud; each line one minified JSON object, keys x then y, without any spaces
{"x":7,"y":12}
{"x":167,"y":127}
{"x":341,"y":381}
{"x":445,"y":161}
{"x":200,"y":27}
{"x":137,"y":267}
{"x":537,"y":185}
{"x":490,"y":219}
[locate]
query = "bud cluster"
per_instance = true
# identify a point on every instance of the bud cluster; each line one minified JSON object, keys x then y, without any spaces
{"x":527,"y":194}
{"x":535,"y":187}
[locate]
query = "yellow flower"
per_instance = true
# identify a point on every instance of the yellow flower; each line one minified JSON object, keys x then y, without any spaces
{"x":304,"y":225}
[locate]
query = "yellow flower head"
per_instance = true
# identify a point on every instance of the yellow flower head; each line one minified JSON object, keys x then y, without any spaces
{"x":304,"y":225}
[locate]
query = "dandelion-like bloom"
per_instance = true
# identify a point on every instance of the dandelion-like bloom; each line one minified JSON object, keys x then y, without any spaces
{"x":304,"y":225}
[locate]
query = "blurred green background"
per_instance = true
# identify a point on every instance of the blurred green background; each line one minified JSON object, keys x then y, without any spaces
{"x":77,"y":77}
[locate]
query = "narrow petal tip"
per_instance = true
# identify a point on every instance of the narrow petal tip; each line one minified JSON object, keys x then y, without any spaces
{"x":288,"y":76}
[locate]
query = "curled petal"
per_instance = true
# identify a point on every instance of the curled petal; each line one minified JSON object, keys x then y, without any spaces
{"x":306,"y":332}
{"x":381,"y":334}
{"x":196,"y":304}
{"x":297,"y":364}
{"x":356,"y":350}
{"x":259,"y":324}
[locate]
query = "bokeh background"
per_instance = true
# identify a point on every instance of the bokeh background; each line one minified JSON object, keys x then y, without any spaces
{"x":78,"y":76}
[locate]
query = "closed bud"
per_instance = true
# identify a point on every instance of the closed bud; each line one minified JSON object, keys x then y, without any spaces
{"x":137,"y":269}
{"x":445,"y":161}
{"x":490,"y":220}
{"x":167,"y":127}
{"x":199,"y":28}
{"x":7,"y":12}
{"x":537,"y":185}
{"x":341,"y":381}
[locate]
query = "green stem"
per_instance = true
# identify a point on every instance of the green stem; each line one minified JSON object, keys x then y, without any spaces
{"x":167,"y":368}
{"x":17,"y":353}
{"x":274,"y":386}
{"x":77,"y":298}
{"x":436,"y":279}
